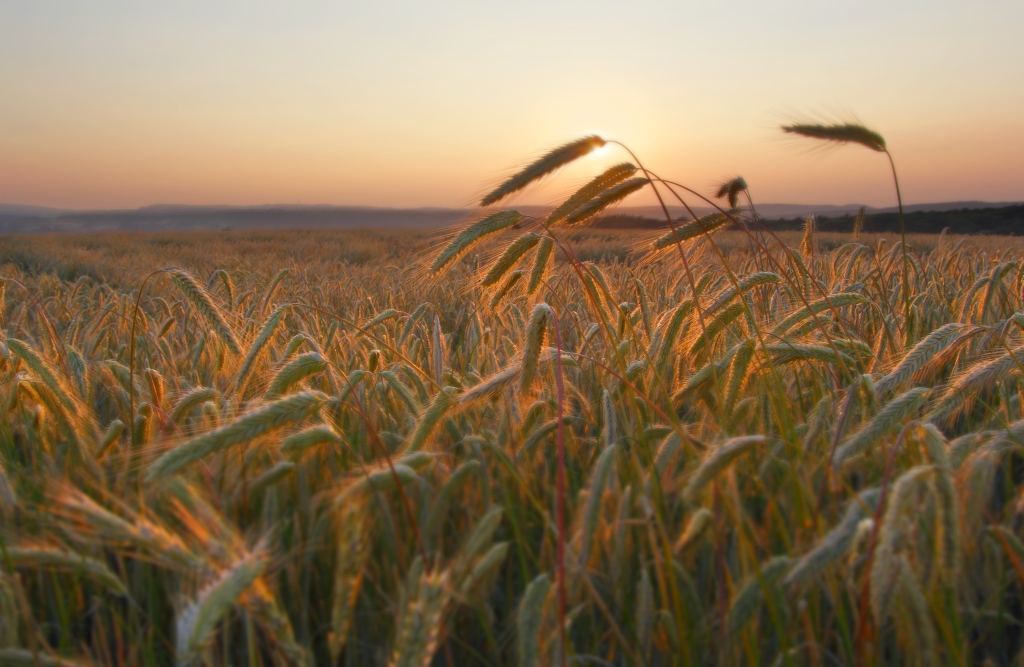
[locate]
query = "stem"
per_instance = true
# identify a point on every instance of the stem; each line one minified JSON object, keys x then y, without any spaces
{"x":560,"y":491}
{"x":131,"y":359}
{"x":903,"y":240}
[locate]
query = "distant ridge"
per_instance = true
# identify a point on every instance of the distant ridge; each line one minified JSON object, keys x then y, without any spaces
{"x":23,"y":219}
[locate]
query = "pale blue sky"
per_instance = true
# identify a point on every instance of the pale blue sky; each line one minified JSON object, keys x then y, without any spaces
{"x":400,"y":103}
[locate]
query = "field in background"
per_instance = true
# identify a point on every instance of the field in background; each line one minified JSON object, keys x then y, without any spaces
{"x":297,"y":449}
{"x":120,"y":257}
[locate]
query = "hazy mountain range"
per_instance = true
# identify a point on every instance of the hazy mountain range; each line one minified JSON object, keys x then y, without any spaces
{"x":34,"y":219}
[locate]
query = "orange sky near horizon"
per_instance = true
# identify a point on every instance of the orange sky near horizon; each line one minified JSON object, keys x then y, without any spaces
{"x":116,"y":104}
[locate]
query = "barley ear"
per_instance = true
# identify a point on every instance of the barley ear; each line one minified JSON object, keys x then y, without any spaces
{"x":191,"y":400}
{"x":513,"y":280}
{"x":836,"y":543}
{"x":65,"y":561}
{"x":294,"y":371}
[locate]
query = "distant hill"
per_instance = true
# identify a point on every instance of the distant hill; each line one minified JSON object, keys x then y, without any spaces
{"x":189,"y":218}
{"x":975,"y":215}
{"x":1005,"y":220}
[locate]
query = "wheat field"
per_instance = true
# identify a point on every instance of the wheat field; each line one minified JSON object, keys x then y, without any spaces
{"x":518,"y":444}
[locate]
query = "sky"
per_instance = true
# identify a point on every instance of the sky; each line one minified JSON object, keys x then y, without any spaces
{"x":388,"y":103}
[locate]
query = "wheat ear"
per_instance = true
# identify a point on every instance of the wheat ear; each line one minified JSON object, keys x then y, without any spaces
{"x":838,"y":540}
{"x":609,"y":178}
{"x":919,"y":355}
{"x":65,"y":561}
{"x":718,"y":460}
{"x":605,"y":200}
{"x":748,"y":601}
{"x":529,"y":617}
{"x":265,"y":419}
{"x":540,"y":168}
{"x":21,"y":657}
{"x":509,"y":258}
{"x":202,"y":302}
{"x":294,"y":371}
{"x":882,"y":423}
{"x":353,"y":550}
{"x":419,"y":622}
{"x":196,"y":623}
{"x":472,"y":235}
{"x":540,"y":319}
{"x":698,"y":524}
{"x":257,"y":346}
{"x":191,"y":400}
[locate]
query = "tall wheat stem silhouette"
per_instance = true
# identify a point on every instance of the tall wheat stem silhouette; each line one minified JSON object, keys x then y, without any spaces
{"x":839,"y":134}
